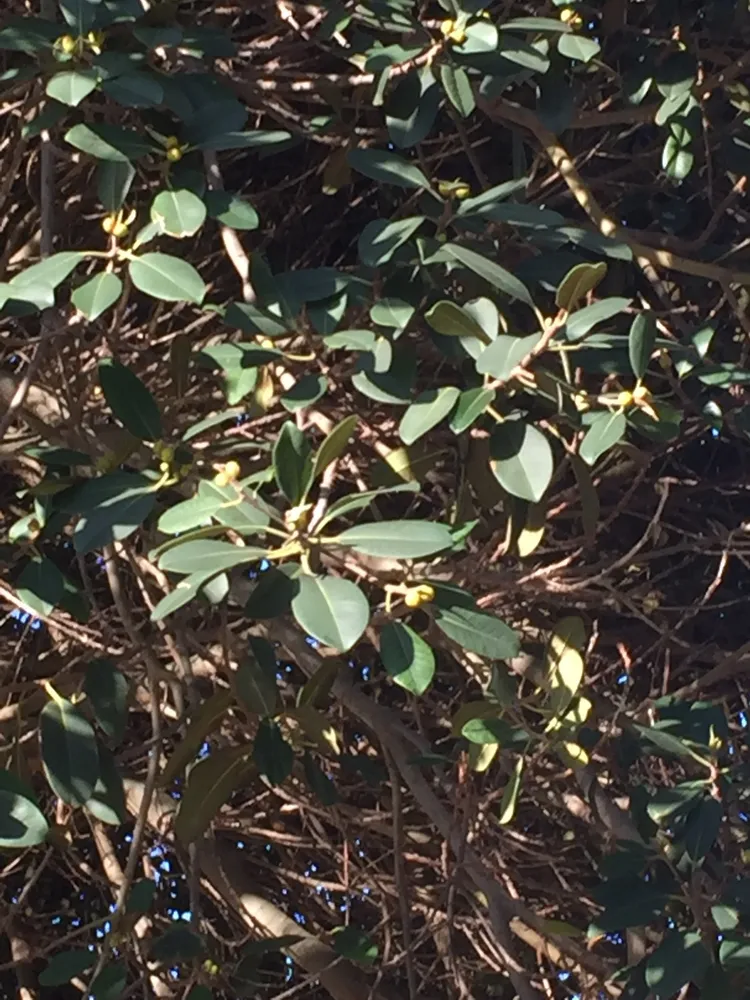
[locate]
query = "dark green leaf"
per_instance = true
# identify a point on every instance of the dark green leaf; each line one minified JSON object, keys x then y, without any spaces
{"x":107,"y":801}
{"x":702,"y":829}
{"x":334,"y":445}
{"x":108,"y":142}
{"x":577,"y":284}
{"x":450,"y":320}
{"x":734,"y":952}
{"x":111,"y":508}
{"x":113,"y":181}
{"x":397,"y":539}
{"x":141,"y":896}
{"x":319,"y":782}
{"x":229,"y":210}
{"x":388,"y":168}
{"x":471,"y":405}
{"x":355,"y":944}
{"x":641,"y":342}
{"x":680,"y":958}
{"x":135,"y":90}
{"x":457,"y":86}
{"x":522,"y":459}
{"x":273,"y":593}
{"x":22,"y":823}
{"x":255,"y":679}
{"x":130,"y":400}
{"x":478,"y":632}
{"x":407,"y":657}
{"x":487,"y":729}
{"x":273,"y":756}
{"x":306,"y":391}
{"x":332,"y":610}
{"x":107,"y":690}
{"x":168,"y":278}
{"x":584,"y":320}
{"x":40,"y":586}
{"x":204,"y":721}
{"x":69,"y":752}
{"x":497,"y":276}
{"x":210,"y":783}
{"x":63,"y":967}
{"x":178,"y":944}
{"x":292,"y":463}
{"x":380,"y":239}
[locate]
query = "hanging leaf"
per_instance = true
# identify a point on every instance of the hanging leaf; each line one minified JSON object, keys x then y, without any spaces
{"x":702,"y":829}
{"x":457,"y":87}
{"x":478,"y":632}
{"x":334,"y":445}
{"x":107,"y":690}
{"x":411,"y":108}
{"x":292,"y":463}
{"x":113,"y":181}
{"x":168,"y":278}
{"x":130,"y":401}
{"x":397,"y":539}
{"x":589,"y":497}
{"x":273,"y":756}
{"x":40,"y":586}
{"x":184,"y":592}
{"x":564,"y":666}
{"x":577,"y":284}
{"x":141,"y":896}
{"x":432,"y":406}
{"x":316,"y":689}
{"x":207,"y":718}
{"x":680,"y":958}
{"x":65,"y":966}
{"x":510,"y":794}
{"x":97,"y":294}
{"x":273,"y":593}
{"x":107,"y":801}
{"x":522,"y":459}
{"x":604,"y":432}
{"x":204,"y":555}
{"x":69,"y":754}
{"x":177,"y":944}
{"x":355,"y":944}
{"x":332,"y":610}
{"x":135,"y":90}
{"x":641,"y":342}
{"x":109,"y":142}
{"x":407,"y":657}
{"x":178,"y":213}
{"x":209,"y":785}
{"x":574,"y":46}
{"x":319,"y":782}
{"x":380,"y":239}
{"x":387,"y":168}
{"x":255,"y":679}
{"x":22,"y":823}
{"x":497,"y":276}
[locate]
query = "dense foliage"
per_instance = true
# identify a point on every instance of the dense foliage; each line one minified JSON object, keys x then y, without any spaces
{"x":373,"y":443}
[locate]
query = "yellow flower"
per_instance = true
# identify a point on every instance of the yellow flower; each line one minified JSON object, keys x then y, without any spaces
{"x":174,"y":154}
{"x":228,"y":474}
{"x":67,"y":44}
{"x":570,"y":16}
{"x":450,"y":30}
{"x":625,"y":398}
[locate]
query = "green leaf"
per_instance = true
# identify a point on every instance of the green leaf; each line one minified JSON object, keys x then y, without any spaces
{"x":204,"y":555}
{"x":273,"y":756}
{"x":510,"y":794}
{"x":178,"y":213}
{"x":259,"y":139}
{"x":412,"y":107}
{"x":574,"y":46}
{"x":604,"y":431}
{"x":40,"y":585}
{"x":355,"y":944}
{"x":485,"y":730}
{"x":178,"y":944}
{"x":306,"y":391}
{"x":334,"y":445}
{"x":319,"y":782}
{"x":478,"y":632}
{"x":229,"y":210}
{"x":292,"y":463}
{"x":135,"y":90}
{"x":71,"y":86}
{"x":734,"y":952}
{"x":504,"y":354}
{"x":273,"y":593}
{"x":522,"y":459}
{"x":457,"y":87}
{"x":192,"y":513}
{"x":316,"y":689}
{"x":426,"y":412}
{"x":109,"y":142}
{"x":472,"y":403}
{"x":380,"y":239}
{"x":97,"y":294}
{"x":356,"y":501}
{"x":204,"y":721}
{"x":107,"y":691}
{"x":209,"y":785}
{"x":130,"y":401}
{"x":237,"y":508}
{"x":680,"y":958}
{"x":111,"y":508}
{"x":255,"y":679}
{"x":407,"y":657}
{"x":62,"y":967}
{"x":168,"y":278}
{"x":51,"y":271}
{"x":450,"y":320}
{"x":141,"y":896}
{"x":641,"y":342}
{"x":69,"y":753}
{"x":332,"y":610}
{"x":577,"y":283}
{"x":113,"y":181}
{"x":702,"y":829}
{"x":397,"y":539}
{"x":387,"y":168}
{"x":107,"y":801}
{"x":497,"y":276}
{"x":22,"y":823}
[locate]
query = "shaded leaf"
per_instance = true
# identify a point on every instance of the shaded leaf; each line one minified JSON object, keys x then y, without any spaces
{"x":355,"y":944}
{"x":69,"y":753}
{"x":130,"y":400}
{"x":388,"y":168}
{"x":522,"y":459}
{"x":380,"y":239}
{"x":332,"y":610}
{"x":510,"y":794}
{"x":604,"y":432}
{"x":63,"y":967}
{"x":273,"y":756}
{"x":497,"y":276}
{"x":292,"y":463}
{"x":210,"y":783}
{"x":702,"y":829}
{"x":177,"y":944}
{"x":206,"y":719}
{"x":680,"y":958}
{"x":577,"y":283}
{"x":230,"y":210}
{"x":334,"y":445}
{"x":478,"y":632}
{"x":255,"y":679}
{"x":450,"y":320}
{"x":641,"y":342}
{"x":107,"y":801}
{"x":22,"y":823}
{"x":407,"y":657}
{"x":107,"y":691}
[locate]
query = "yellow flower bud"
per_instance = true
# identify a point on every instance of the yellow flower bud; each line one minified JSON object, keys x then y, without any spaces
{"x":461,"y":192}
{"x":568,"y":15}
{"x":220,"y":479}
{"x":163,"y":466}
{"x":171,"y":141}
{"x":119,"y":228}
{"x":108,"y":223}
{"x":447,"y":27}
{"x":581,"y":402}
{"x":174,"y":154}
{"x":641,"y":394}
{"x":415,"y":597}
{"x":624,"y":398}
{"x":232,"y":470}
{"x":67,"y":44}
